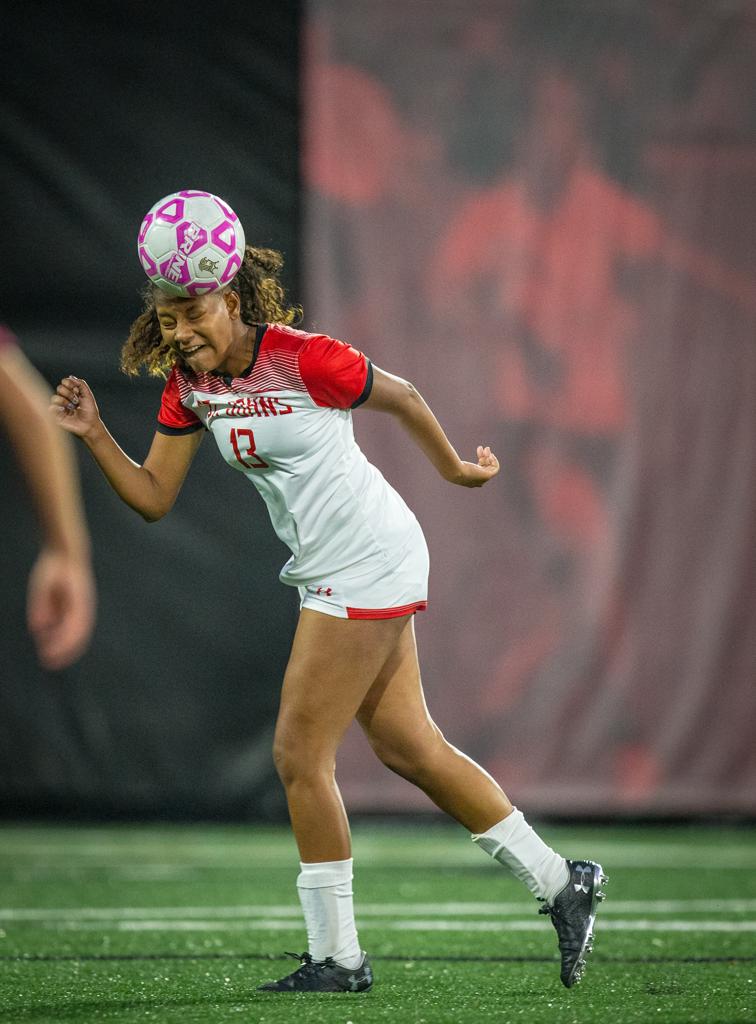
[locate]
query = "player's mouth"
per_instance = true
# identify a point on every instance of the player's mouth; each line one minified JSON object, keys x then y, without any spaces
{"x":187,"y":353}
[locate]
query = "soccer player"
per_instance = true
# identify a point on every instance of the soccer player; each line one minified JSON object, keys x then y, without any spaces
{"x":279,"y":403}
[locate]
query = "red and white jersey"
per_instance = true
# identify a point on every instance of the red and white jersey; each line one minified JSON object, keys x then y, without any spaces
{"x":286,"y":423}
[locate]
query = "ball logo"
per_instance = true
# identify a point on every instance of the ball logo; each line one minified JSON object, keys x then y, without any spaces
{"x":175,"y":268}
{"x":207,"y":265}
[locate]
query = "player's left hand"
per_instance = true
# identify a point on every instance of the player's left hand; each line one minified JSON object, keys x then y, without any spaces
{"x":476,"y":474}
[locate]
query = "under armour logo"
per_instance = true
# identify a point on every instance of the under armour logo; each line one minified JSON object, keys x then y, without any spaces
{"x":326,"y":591}
{"x":357,"y":983}
{"x":581,"y":872}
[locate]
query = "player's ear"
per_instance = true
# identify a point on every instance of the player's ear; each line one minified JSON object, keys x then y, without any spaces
{"x":233,"y":303}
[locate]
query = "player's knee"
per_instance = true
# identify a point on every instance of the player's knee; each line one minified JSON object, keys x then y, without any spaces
{"x":412,"y":757}
{"x":296,"y":760}
{"x":287,"y":761}
{"x":399,"y":761}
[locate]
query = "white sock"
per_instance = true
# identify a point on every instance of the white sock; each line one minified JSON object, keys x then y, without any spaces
{"x":325,"y":892}
{"x":515,"y":845}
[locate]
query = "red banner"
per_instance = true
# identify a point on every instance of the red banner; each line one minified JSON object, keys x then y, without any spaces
{"x":544,"y":219}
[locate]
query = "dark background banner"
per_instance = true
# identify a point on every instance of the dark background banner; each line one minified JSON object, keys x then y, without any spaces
{"x":542,"y":215}
{"x":101,"y":114}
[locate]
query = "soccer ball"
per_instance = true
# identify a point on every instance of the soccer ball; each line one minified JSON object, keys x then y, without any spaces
{"x":190,"y":242}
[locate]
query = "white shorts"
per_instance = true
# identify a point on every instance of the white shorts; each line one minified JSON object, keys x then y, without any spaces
{"x":384,"y":590}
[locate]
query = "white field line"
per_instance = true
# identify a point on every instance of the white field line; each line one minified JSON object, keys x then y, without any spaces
{"x":435,"y":925}
{"x":383,"y":910}
{"x":616,"y":854}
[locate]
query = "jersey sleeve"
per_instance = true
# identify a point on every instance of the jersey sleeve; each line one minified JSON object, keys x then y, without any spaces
{"x":173,"y":417}
{"x":7,"y":339}
{"x":335,"y":374}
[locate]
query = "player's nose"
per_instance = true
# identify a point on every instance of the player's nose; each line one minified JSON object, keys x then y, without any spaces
{"x":183,"y":332}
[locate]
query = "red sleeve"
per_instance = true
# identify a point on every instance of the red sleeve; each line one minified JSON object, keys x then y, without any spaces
{"x":7,"y":340}
{"x":335,"y":374}
{"x":173,"y":417}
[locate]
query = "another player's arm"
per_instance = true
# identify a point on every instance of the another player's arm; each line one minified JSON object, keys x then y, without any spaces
{"x":150,"y":489}
{"x":45,"y":457}
{"x":60,"y":598}
{"x":400,"y":398}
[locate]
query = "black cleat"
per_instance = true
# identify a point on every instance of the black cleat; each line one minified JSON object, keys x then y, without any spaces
{"x":572,"y":912}
{"x":322,"y":976}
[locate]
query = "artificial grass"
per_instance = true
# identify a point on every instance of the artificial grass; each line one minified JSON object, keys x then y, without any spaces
{"x":180,"y":924}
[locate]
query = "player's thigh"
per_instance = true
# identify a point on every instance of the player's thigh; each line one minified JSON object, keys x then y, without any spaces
{"x":394,"y":714}
{"x":332,"y":665}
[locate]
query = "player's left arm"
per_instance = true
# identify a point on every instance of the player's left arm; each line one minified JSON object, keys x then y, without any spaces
{"x":400,"y":398}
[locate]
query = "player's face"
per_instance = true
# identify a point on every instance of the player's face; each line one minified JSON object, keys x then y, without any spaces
{"x":201,"y":329}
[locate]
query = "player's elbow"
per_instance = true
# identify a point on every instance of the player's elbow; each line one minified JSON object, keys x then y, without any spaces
{"x":156,"y":510}
{"x":151,"y":515}
{"x":156,"y":499}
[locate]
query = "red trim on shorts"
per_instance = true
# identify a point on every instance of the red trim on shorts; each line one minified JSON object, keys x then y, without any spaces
{"x":386,"y":613}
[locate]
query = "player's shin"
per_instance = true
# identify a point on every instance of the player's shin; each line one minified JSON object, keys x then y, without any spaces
{"x":325,"y":892}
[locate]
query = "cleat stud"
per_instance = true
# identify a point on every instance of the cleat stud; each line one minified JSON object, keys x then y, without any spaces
{"x":601,"y":896}
{"x":604,"y":879}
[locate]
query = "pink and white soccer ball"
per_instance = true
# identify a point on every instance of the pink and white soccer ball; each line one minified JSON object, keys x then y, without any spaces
{"x":191,"y":242}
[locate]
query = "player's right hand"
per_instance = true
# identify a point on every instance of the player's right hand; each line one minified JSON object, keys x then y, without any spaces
{"x":74,"y":406}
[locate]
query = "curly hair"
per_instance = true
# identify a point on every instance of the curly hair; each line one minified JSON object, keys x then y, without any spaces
{"x":262,"y":301}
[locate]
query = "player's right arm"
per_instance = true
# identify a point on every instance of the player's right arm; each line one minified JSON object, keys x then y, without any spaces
{"x":150,"y":489}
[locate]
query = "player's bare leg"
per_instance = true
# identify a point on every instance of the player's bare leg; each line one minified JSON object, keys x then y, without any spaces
{"x":332,"y":666}
{"x":333,"y":663}
{"x":396,"y":721}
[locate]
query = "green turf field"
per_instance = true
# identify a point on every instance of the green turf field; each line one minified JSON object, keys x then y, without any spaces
{"x":179,"y":924}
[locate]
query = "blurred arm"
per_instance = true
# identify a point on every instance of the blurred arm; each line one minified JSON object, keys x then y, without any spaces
{"x":61,"y":590}
{"x":45,"y":455}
